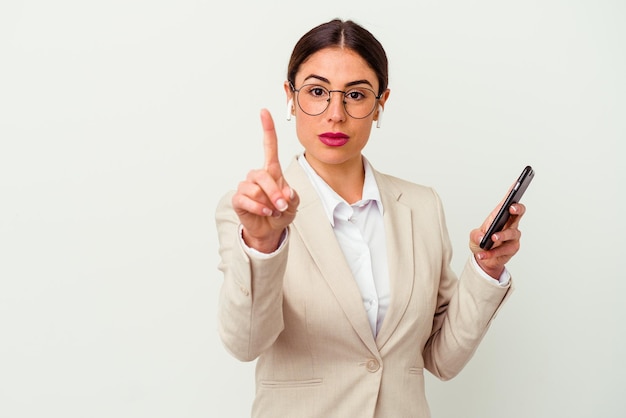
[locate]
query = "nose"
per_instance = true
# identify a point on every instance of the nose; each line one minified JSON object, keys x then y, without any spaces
{"x":336,"y":106}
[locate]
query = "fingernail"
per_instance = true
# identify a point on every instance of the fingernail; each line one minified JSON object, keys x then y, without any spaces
{"x":480,"y":256}
{"x":496,"y":237}
{"x":281,"y":205}
{"x":267,"y":212}
{"x":292,"y":193}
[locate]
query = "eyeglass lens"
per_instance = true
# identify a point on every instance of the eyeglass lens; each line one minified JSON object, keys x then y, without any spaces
{"x":314,"y":100}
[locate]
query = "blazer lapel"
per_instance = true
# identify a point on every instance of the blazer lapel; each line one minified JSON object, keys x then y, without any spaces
{"x":400,"y":255}
{"x":317,"y":235}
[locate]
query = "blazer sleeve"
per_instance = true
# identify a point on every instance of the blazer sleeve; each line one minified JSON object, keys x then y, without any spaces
{"x":465,"y":308}
{"x":250,"y":314}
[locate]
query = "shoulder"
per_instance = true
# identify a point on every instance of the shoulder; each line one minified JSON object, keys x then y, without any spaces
{"x":401,"y":183}
{"x":406,"y":191}
{"x":224,"y":208}
{"x":225,"y":201}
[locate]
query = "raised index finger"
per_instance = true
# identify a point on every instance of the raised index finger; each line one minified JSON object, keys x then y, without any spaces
{"x":270,"y":144}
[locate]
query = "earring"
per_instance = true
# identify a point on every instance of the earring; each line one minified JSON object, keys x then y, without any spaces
{"x":380,"y":116}
{"x":289,"y":106}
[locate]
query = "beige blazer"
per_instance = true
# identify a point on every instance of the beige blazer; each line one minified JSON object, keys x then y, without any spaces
{"x":300,"y":312}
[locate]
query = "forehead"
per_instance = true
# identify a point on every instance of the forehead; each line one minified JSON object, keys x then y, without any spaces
{"x":339,"y":66}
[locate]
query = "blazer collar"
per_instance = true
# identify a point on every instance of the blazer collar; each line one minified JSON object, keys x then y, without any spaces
{"x":318,"y":236}
{"x":400,"y":255}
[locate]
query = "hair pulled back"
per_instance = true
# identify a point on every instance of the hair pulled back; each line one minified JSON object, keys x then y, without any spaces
{"x":343,"y":34}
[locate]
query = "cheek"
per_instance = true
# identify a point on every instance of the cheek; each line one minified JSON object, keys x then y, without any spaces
{"x":304,"y":130}
{"x":364,"y":130}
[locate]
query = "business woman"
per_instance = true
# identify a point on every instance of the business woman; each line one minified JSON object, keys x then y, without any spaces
{"x":337,"y":277}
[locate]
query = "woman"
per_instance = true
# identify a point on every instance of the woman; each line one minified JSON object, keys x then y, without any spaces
{"x":337,"y":277}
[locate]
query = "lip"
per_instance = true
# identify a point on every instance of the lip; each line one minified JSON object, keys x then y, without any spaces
{"x":333,"y":139}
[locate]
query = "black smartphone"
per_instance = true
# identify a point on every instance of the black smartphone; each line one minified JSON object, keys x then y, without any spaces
{"x":503,"y":214}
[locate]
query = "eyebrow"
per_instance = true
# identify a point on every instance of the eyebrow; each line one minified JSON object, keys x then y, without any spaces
{"x":350,"y":84}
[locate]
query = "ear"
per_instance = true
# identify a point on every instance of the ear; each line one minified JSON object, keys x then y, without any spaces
{"x":380,"y":110}
{"x":289,"y":93}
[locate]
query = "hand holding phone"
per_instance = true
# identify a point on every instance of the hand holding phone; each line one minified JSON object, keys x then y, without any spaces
{"x":514,"y":196}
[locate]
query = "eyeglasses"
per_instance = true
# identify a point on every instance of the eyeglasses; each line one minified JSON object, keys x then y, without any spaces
{"x":358,"y":102}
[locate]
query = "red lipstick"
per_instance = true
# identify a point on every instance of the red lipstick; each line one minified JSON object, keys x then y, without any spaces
{"x":333,"y":139}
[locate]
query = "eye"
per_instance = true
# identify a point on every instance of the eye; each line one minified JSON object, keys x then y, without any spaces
{"x":355,"y":95}
{"x":317,"y":92}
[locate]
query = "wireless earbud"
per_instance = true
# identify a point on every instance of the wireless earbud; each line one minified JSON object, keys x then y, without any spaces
{"x":289,"y":106}
{"x":380,"y":116}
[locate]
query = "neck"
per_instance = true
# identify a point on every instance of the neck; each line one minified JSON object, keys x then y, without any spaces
{"x":345,"y":179}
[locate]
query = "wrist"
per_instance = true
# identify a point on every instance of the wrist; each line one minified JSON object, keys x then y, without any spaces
{"x":267,"y":244}
{"x":493,"y":271}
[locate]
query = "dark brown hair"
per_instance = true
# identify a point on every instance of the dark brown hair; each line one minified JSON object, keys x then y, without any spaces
{"x":345,"y":34}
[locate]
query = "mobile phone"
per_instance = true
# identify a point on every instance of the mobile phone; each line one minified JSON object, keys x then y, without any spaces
{"x":514,"y":196}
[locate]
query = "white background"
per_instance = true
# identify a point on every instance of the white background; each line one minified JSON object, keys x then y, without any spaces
{"x":123,"y":122}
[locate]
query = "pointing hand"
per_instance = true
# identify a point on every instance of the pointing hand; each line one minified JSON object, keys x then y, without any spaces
{"x":264,"y":202}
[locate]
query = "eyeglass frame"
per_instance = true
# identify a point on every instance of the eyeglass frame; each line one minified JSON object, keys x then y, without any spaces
{"x":293,"y":89}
